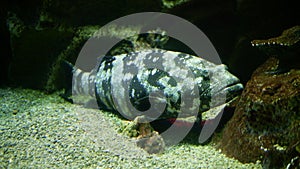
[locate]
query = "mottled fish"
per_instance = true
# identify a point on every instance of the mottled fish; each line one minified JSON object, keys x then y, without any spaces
{"x":123,"y":82}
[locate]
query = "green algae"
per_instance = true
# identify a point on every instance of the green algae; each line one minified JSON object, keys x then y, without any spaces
{"x":173,"y":3}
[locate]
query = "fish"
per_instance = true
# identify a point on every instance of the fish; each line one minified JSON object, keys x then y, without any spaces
{"x":159,"y":80}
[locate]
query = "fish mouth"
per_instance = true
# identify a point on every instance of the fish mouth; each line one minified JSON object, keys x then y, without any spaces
{"x":222,"y":96}
{"x":227,"y":93}
{"x":232,"y":91}
{"x":221,"y":93}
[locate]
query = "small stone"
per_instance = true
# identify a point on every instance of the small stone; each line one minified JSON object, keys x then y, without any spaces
{"x":153,"y":144}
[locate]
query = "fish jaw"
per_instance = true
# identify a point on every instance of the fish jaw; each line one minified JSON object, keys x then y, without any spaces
{"x":223,"y":88}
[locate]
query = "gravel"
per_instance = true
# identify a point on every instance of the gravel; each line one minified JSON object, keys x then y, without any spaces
{"x":43,"y":131}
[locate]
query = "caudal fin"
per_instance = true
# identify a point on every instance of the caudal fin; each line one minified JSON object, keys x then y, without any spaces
{"x":68,"y":69}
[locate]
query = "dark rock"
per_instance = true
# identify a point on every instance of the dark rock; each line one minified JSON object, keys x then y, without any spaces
{"x":42,"y":33}
{"x":245,"y":59}
{"x":258,"y":20}
{"x":289,"y":38}
{"x":34,"y":52}
{"x":285,"y":47}
{"x":216,"y":18}
{"x":5,"y":45}
{"x":266,"y":122}
{"x":80,"y":13}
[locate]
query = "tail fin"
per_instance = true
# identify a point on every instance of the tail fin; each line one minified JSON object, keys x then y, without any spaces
{"x":80,"y":87}
{"x":83,"y":83}
{"x":68,"y":69}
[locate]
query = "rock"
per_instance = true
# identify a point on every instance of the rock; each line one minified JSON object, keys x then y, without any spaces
{"x":266,"y":122}
{"x":146,"y":138}
{"x":209,"y":17}
{"x":153,"y":143}
{"x":81,"y":13}
{"x":34,"y":52}
{"x":257,"y":20}
{"x":245,"y":59}
{"x":289,"y":37}
{"x":46,"y":32}
{"x":285,"y":47}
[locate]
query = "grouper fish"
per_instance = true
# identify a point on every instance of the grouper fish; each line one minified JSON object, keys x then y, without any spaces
{"x":157,"y":83}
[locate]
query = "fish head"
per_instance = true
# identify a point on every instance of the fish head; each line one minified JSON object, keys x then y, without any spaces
{"x":219,"y":87}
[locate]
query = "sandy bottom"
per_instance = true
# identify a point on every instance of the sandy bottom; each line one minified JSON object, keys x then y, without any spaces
{"x":39,"y":130}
